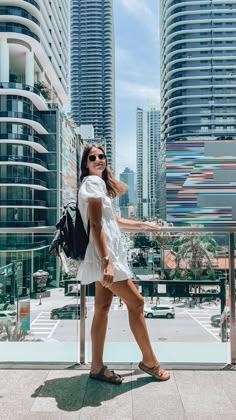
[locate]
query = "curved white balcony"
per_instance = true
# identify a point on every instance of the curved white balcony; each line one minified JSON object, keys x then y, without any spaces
{"x":21,"y":117}
{"x":30,"y":39}
{"x":34,"y":183}
{"x":27,"y":91}
{"x":33,"y":141}
{"x":32,"y":162}
{"x":31,"y":6}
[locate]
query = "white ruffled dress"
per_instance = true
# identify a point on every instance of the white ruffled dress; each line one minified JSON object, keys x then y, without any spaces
{"x":90,"y":269}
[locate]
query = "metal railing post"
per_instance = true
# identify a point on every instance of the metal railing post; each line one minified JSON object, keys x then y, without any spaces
{"x":232,"y":299}
{"x":82,"y":322}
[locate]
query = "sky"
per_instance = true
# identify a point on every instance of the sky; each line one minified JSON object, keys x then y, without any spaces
{"x":137,"y":72}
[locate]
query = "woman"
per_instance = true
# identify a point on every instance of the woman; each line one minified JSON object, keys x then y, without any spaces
{"x":106,"y":264}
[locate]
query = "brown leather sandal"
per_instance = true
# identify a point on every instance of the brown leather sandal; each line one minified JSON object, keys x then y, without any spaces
{"x":156,"y":371}
{"x":100,"y":376}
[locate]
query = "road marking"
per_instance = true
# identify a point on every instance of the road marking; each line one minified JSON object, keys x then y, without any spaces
{"x":43,"y":325}
{"x":203,"y":326}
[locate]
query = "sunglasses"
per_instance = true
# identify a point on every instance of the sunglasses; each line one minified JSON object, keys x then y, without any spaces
{"x":101,"y":156}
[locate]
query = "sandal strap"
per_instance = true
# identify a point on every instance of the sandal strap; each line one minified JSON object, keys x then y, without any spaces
{"x":102,"y":370}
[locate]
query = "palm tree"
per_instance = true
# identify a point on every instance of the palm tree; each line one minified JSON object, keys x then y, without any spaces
{"x":194,"y":253}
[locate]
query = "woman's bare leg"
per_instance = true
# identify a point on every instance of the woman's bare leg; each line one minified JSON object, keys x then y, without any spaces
{"x":127,"y":291}
{"x":103,"y":299}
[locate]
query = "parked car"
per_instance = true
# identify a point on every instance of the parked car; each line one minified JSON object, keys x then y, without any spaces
{"x":160,"y":311}
{"x":7,"y":317}
{"x":216,"y":320}
{"x":66,"y":312}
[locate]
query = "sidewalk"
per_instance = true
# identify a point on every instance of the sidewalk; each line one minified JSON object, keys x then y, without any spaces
{"x":70,"y":394}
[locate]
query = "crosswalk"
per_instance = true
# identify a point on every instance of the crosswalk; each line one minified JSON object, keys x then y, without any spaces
{"x":42,"y":325}
{"x":203,"y":318}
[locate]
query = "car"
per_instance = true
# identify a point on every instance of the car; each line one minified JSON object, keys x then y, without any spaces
{"x":66,"y":312}
{"x":7,"y":317}
{"x":216,"y":320}
{"x":160,"y":311}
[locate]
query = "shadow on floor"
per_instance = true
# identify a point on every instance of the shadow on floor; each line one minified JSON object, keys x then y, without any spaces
{"x":71,"y":394}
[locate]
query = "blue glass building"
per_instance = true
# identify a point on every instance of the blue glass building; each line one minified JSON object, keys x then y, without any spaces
{"x":92,"y":70}
{"x":198,"y":104}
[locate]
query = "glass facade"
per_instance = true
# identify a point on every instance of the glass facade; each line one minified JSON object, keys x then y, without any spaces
{"x":92,"y":70}
{"x":198,"y":77}
{"x":147,"y":161}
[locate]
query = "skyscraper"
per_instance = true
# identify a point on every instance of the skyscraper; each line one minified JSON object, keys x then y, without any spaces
{"x":148,"y":147}
{"x":38,"y":147}
{"x":198,"y":80}
{"x":127,"y":176}
{"x":92,"y":69}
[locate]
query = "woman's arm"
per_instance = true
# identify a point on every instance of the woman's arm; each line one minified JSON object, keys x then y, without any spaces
{"x":95,"y":220}
{"x":137,"y":225}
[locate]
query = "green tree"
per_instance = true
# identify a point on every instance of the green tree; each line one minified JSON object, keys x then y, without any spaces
{"x":196,"y":252}
{"x":141,"y":241}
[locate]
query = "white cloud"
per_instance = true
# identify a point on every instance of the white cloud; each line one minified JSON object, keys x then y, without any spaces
{"x":140,"y":91}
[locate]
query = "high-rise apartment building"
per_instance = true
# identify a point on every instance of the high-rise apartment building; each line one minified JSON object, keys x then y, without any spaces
{"x":198,"y":107}
{"x":38,"y":145}
{"x":127,"y":176}
{"x":148,"y":150}
{"x":92,"y":70}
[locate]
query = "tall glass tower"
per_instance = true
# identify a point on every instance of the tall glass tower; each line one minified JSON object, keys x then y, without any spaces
{"x":198,"y":106}
{"x":92,"y":69}
{"x":147,"y":159}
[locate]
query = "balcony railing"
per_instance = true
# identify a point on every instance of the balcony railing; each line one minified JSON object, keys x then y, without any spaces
{"x":7,"y":246}
{"x":21,"y":86}
{"x":22,"y":223}
{"x":23,"y":202}
{"x":193,"y":294}
{"x":23,"y":137}
{"x":23,"y":115}
{"x":19,"y":180}
{"x":34,"y":3}
{"x":24,"y":159}
{"x":9,"y":27}
{"x":17,"y":11}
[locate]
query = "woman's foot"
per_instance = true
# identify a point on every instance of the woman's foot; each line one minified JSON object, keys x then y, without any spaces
{"x":156,"y":371}
{"x":106,"y":375}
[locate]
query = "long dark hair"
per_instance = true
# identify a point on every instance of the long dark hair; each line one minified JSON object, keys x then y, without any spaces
{"x":114,"y":187}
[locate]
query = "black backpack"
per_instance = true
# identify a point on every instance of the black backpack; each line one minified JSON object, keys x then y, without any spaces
{"x":70,"y":234}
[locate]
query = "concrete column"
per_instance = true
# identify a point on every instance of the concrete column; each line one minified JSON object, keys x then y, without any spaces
{"x":40,"y":77}
{"x":29,"y":68}
{"x":4,"y":61}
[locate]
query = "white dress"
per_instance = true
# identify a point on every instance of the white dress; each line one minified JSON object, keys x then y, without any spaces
{"x":90,"y":269}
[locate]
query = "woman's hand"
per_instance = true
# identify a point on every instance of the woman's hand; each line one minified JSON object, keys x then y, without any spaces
{"x":151,"y":226}
{"x":108,"y":274}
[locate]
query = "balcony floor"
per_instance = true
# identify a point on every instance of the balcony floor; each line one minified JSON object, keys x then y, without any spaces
{"x":70,"y":394}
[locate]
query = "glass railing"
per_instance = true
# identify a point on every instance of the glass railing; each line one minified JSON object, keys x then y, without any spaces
{"x":24,"y":137}
{"x":24,"y":115}
{"x":23,"y":202}
{"x":185,"y":275}
{"x":21,"y":86}
{"x":187,"y":280}
{"x":9,"y":27}
{"x":23,"y":223}
{"x":25,"y":159}
{"x":17,"y":11}
{"x":34,"y":3}
{"x":12,"y":180}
